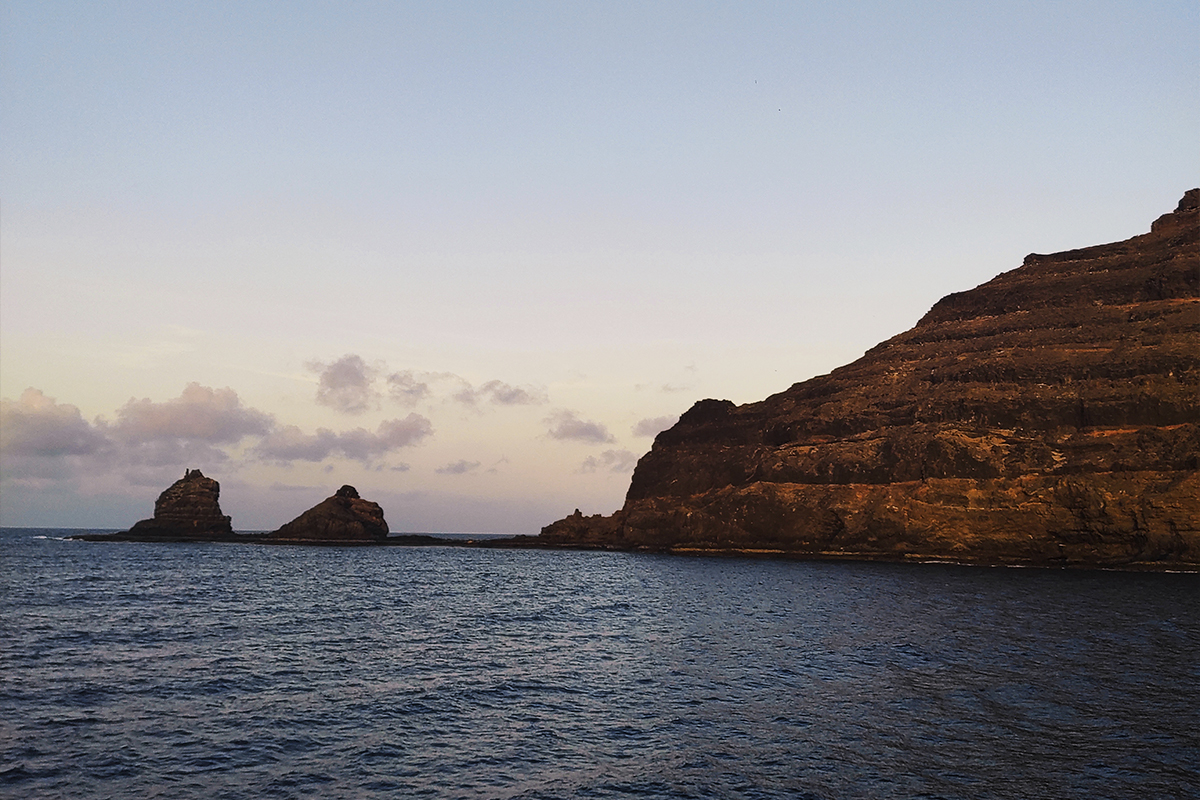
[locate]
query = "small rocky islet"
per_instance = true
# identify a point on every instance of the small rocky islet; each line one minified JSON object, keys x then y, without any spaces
{"x":1049,"y":417}
{"x":189,"y":511}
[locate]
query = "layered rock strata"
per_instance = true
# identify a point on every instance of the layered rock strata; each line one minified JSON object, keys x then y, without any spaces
{"x":344,"y":518}
{"x":189,"y":509}
{"x":1050,"y":416}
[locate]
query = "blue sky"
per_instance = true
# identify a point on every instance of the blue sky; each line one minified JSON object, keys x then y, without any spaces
{"x":465,"y":256}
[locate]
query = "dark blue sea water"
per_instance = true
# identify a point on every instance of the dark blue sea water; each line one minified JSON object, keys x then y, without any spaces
{"x":242,"y":671}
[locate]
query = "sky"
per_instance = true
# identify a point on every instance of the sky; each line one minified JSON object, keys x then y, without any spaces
{"x":470,"y":257}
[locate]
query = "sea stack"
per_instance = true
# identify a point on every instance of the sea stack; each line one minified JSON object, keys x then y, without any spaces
{"x":1048,"y":417}
{"x":344,"y":518}
{"x":188,"y":509}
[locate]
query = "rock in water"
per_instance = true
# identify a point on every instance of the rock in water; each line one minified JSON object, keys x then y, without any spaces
{"x":344,"y":518}
{"x":189,"y":509}
{"x":1050,"y":416}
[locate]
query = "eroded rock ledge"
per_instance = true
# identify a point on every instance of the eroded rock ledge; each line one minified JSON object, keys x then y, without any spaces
{"x":1050,"y":416}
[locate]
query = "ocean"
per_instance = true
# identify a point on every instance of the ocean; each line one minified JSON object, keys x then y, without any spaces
{"x":241,"y":671}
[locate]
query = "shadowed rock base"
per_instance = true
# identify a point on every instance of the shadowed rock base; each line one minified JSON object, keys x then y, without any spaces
{"x":1048,"y":417}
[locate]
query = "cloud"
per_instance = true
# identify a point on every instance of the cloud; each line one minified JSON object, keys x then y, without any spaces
{"x":501,"y":394}
{"x":170,"y":453}
{"x":458,"y":468}
{"x":612,"y":460}
{"x":407,"y":389}
{"x":37,"y":426}
{"x":201,"y":414}
{"x":351,"y":386}
{"x":346,"y":384}
{"x":567,"y":425}
{"x":289,"y":443}
{"x":43,"y":439}
{"x":652,"y":426}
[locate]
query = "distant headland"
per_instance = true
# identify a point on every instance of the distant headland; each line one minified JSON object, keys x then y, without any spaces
{"x":1049,"y":417}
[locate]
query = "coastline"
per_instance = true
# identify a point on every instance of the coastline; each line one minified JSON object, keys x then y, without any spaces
{"x":529,"y":542}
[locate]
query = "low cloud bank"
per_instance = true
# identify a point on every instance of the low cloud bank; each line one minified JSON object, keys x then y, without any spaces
{"x":41,"y":438}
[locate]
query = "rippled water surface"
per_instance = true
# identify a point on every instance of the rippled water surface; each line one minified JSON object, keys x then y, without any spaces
{"x":242,"y":671}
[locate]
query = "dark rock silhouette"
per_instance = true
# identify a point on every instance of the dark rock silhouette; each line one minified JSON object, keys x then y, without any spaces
{"x":344,"y":518}
{"x":188,"y":509}
{"x":1050,"y":416}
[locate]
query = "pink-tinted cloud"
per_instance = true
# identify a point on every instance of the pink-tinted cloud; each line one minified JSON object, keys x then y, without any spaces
{"x":38,"y":426}
{"x":201,"y":414}
{"x":43,"y":439}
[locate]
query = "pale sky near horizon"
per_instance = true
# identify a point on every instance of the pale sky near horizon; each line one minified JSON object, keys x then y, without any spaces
{"x":469,"y":257}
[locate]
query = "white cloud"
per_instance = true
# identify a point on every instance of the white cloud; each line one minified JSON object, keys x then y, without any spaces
{"x":566,"y":425}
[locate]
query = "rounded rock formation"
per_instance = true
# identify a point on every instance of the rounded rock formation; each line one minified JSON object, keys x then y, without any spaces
{"x":344,"y":518}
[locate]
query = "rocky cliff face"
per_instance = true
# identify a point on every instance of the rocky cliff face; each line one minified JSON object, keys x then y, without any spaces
{"x":188,"y":509}
{"x":344,"y":518}
{"x":1050,"y":416}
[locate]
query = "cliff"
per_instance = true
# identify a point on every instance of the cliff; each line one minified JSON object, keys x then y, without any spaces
{"x":1050,"y":416}
{"x":344,"y":518}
